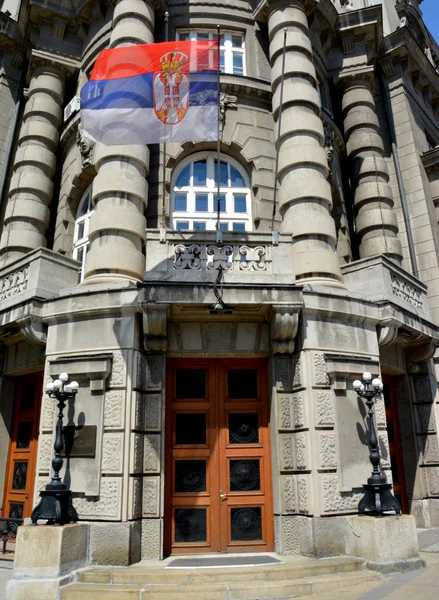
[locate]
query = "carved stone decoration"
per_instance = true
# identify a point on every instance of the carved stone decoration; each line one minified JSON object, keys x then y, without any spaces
{"x":284,"y":324}
{"x":420,"y":354}
{"x":154,"y":327}
{"x":329,"y":145}
{"x":33,"y":329}
{"x":86,"y":149}
{"x":227,"y":101}
{"x":202,"y":257}
{"x":14,"y":283}
{"x":387,"y":333}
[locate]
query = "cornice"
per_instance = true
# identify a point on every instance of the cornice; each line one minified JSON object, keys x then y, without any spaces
{"x":430,"y":159}
{"x":400,"y":49}
{"x":41,"y":57}
{"x":246,"y":86}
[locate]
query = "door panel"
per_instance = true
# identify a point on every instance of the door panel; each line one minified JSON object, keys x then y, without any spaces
{"x":20,"y":474}
{"x":395,"y":447}
{"x":218,"y":497}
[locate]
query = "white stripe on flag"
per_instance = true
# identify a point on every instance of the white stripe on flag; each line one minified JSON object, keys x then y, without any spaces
{"x":128,"y":126}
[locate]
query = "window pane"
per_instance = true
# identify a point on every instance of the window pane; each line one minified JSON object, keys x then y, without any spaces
{"x":222,"y":203}
{"x":180,"y":202}
{"x":24,"y":434}
{"x":224,"y":226}
{"x":224,"y":177}
{"x":183,"y":178}
{"x":20,"y":476}
{"x":201,"y":202}
{"x":184,"y":36}
{"x":242,"y":383}
{"x":238,"y":68}
{"x":244,"y":475}
{"x":80,"y":230}
{"x":236,"y":179}
{"x":203,"y":35}
{"x":27,"y":396}
{"x":222,"y":61}
{"x":190,"y":476}
{"x":183,"y":225}
{"x":243,"y":428}
{"x":237,"y":41}
{"x":190,"y":428}
{"x":190,"y":525}
{"x":199,"y":226}
{"x":246,"y":524}
{"x":200,"y":173}
{"x":80,"y":254}
{"x":238,"y":226}
{"x":240,"y":202}
{"x":190,"y":383}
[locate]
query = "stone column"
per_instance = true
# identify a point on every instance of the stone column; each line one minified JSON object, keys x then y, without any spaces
{"x":374,"y":216}
{"x":304,"y":192}
{"x":30,"y":193}
{"x":120,"y":191}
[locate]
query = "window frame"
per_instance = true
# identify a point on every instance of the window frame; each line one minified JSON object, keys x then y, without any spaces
{"x":226,"y":48}
{"x":81,"y":244}
{"x":229,"y":217}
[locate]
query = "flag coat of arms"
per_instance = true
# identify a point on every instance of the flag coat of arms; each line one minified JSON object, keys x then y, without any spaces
{"x":153,"y":93}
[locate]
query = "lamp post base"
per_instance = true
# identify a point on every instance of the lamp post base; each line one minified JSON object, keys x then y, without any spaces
{"x":55,"y":507}
{"x":378,"y":499}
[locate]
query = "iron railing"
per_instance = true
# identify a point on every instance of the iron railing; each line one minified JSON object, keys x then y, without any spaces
{"x":8,"y":530}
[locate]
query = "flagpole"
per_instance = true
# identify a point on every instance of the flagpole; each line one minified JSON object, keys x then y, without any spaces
{"x":279,"y":132}
{"x":219,"y":234}
{"x":163,"y":215}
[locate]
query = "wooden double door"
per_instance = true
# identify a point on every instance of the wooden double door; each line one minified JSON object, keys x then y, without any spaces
{"x":218,"y":471}
{"x":22,"y":457}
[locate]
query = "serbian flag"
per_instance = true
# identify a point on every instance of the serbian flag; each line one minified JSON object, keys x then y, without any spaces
{"x":153,"y":93}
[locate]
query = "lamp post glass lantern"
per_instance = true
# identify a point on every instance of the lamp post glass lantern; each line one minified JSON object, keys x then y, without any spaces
{"x":56,"y":505}
{"x":378,"y":499}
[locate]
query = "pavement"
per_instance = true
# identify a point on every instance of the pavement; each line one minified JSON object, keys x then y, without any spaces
{"x":5,"y":575}
{"x":422,"y":584}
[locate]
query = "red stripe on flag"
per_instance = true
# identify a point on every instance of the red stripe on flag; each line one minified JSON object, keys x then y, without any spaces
{"x":130,"y":61}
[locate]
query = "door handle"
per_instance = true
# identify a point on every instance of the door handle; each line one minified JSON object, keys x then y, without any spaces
{"x":223,"y":496}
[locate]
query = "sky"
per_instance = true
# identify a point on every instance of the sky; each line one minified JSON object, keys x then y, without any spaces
{"x":430,"y":11}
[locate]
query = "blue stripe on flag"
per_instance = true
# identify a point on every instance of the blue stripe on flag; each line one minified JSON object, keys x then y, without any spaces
{"x":137,"y":92}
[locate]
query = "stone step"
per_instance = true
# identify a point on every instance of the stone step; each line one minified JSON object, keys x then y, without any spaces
{"x":145,"y":574}
{"x":243,"y":590}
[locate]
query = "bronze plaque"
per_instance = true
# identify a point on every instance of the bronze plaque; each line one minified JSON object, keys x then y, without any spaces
{"x":79,"y":442}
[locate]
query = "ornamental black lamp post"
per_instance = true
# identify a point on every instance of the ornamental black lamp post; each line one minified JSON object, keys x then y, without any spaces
{"x":378,"y":498}
{"x":56,"y":505}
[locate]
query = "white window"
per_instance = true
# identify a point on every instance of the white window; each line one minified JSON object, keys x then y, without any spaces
{"x":232,"y":50}
{"x":80,"y":239}
{"x":195,"y":195}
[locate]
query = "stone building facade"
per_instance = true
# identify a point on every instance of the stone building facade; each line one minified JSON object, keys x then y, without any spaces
{"x":216,"y":402}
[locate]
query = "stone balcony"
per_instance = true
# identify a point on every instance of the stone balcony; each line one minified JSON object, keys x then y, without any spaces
{"x":27,"y":282}
{"x":196,"y":257}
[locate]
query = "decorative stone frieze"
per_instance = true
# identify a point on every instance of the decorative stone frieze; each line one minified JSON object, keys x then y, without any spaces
{"x":305,"y":198}
{"x":14,"y":283}
{"x":203,"y":257}
{"x":120,"y":191}
{"x":284,"y":324}
{"x":374,"y":216}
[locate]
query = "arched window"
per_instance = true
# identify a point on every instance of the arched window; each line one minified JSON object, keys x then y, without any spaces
{"x":194,"y":195}
{"x":80,"y":238}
